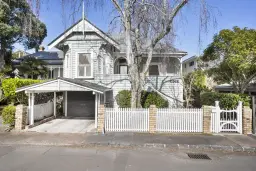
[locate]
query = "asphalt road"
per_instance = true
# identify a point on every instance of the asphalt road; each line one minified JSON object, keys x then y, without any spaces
{"x":38,"y":158}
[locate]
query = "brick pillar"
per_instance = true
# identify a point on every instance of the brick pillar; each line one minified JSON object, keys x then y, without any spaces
{"x":247,"y":120}
{"x":20,"y":117}
{"x":207,"y":110}
{"x":101,"y":111}
{"x":152,"y":118}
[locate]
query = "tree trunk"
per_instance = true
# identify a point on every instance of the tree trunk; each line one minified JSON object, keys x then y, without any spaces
{"x":136,"y":86}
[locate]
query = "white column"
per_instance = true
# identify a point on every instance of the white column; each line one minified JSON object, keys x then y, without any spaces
{"x":180,"y":67}
{"x":54,"y":104}
{"x":29,"y":107}
{"x":66,"y":103}
{"x":59,"y":72}
{"x":32,"y":110}
{"x":96,"y":110}
{"x":51,"y":73}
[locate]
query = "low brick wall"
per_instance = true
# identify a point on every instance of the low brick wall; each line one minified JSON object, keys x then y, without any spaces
{"x":247,"y":120}
{"x":20,"y":117}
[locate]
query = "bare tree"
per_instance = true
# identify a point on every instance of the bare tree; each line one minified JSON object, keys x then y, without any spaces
{"x":145,"y":24}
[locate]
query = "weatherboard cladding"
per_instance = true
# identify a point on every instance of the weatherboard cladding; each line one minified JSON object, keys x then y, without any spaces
{"x":166,"y":85}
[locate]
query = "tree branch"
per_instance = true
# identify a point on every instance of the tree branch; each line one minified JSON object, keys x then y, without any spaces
{"x":163,"y":33}
{"x":118,"y":7}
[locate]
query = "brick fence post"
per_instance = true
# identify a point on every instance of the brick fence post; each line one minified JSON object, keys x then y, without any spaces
{"x":247,"y":120}
{"x":20,"y":117}
{"x":207,"y":110}
{"x":152,"y":118}
{"x":101,"y":112}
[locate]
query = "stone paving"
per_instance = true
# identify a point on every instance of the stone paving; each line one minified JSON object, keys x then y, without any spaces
{"x":74,"y":125}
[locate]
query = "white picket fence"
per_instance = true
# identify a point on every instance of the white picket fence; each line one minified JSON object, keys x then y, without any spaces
{"x":126,"y":120}
{"x":167,"y":120}
{"x":179,"y":120}
{"x":42,"y":111}
{"x":228,"y":120}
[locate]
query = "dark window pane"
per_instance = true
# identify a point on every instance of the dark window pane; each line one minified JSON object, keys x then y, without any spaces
{"x":153,"y":70}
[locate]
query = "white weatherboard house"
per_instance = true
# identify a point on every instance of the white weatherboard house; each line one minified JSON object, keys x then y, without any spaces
{"x":190,"y":64}
{"x":95,"y":70}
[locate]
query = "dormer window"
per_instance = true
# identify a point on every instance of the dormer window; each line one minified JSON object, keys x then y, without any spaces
{"x":84,"y":67}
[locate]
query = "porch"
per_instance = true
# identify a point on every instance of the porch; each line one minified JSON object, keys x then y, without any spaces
{"x":80,"y":98}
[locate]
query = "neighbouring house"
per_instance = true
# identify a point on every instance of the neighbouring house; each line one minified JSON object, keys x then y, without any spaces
{"x":190,"y":64}
{"x":95,"y":70}
{"x":19,"y":53}
{"x":228,"y":88}
{"x":53,"y":60}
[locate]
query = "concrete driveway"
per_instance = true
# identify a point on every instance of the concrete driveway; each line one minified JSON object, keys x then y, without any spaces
{"x":73,"y":125}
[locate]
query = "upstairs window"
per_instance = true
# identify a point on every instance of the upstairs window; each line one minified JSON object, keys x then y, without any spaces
{"x":153,"y":70}
{"x":84,"y":65}
{"x":191,"y":63}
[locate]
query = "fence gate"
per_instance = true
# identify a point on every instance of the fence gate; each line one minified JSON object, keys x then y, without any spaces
{"x":226,"y":120}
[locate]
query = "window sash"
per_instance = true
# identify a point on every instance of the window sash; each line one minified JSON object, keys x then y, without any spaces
{"x":84,"y":70}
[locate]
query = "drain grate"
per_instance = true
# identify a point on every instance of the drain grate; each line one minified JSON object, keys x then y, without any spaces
{"x":198,"y":156}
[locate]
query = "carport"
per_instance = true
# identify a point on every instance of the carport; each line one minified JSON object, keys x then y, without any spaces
{"x":81,"y":98}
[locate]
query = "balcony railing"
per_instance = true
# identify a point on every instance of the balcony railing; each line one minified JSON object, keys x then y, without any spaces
{"x":154,"y":80}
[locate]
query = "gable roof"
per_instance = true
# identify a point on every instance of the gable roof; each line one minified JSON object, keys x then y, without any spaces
{"x":190,"y":59}
{"x":82,"y":84}
{"x":72,"y":28}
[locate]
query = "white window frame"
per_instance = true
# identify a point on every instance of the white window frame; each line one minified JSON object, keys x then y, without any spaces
{"x":77,"y":63}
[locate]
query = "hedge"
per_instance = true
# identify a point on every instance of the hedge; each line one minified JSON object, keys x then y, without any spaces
{"x":123,"y":99}
{"x":227,"y":100}
{"x":10,"y":85}
{"x":8,"y":115}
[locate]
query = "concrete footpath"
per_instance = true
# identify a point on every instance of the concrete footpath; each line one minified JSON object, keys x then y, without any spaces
{"x":132,"y":140}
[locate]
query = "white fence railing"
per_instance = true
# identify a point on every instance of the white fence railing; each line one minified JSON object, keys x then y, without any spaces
{"x":167,"y":120}
{"x":179,"y":120}
{"x":42,"y":111}
{"x":226,"y":120}
{"x":126,"y":120}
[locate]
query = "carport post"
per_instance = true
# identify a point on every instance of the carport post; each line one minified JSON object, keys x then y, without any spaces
{"x":66,"y":103}
{"x":96,"y":110}
{"x":54,"y":105}
{"x":32,"y":110}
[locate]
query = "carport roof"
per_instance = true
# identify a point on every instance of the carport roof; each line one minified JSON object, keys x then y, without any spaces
{"x":81,"y":83}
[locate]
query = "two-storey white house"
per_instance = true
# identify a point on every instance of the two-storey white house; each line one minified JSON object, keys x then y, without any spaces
{"x":190,"y":64}
{"x":95,"y":70}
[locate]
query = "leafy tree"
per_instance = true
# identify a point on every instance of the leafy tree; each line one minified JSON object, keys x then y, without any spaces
{"x":33,"y":67}
{"x":235,"y":51}
{"x":18,"y":24}
{"x":193,"y":84}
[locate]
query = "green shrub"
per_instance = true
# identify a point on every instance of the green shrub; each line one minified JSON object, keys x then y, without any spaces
{"x":227,"y":100}
{"x":153,"y":98}
{"x":8,"y":115}
{"x":10,"y":85}
{"x":123,"y":99}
